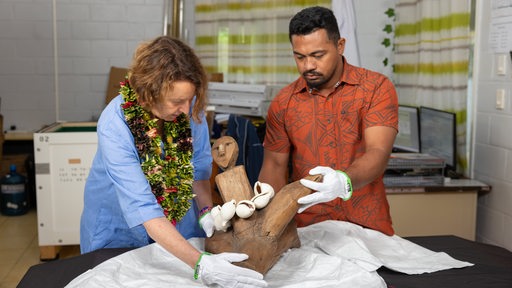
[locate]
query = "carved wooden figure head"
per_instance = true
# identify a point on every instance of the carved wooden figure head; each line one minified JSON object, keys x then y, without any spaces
{"x":225,"y":152}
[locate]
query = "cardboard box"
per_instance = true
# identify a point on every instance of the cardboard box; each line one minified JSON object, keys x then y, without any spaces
{"x":116,"y":75}
{"x":20,"y":160}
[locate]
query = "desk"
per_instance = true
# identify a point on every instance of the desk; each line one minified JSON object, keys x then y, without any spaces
{"x":18,"y":136}
{"x":18,"y":142}
{"x":436,"y":210}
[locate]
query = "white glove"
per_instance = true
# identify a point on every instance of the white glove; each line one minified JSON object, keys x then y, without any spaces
{"x":206,"y":222}
{"x":334,"y":184}
{"x":217,"y":269}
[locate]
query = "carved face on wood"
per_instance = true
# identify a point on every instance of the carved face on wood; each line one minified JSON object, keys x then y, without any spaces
{"x":225,"y":152}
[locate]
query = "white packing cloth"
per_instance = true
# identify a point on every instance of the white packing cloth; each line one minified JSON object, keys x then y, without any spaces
{"x":332,"y":254}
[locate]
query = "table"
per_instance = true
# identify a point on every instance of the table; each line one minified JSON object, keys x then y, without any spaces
{"x":493,"y":266}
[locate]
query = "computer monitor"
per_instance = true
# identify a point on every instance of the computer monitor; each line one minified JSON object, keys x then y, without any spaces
{"x":438,"y":135}
{"x":408,"y":137}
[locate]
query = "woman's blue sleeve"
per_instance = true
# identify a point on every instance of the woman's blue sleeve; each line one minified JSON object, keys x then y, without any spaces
{"x":202,"y":155}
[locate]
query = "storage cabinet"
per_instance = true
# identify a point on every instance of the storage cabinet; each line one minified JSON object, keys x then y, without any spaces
{"x":63,"y":154}
{"x":449,"y":209}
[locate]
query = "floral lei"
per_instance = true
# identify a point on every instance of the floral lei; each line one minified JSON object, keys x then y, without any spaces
{"x":170,"y":175}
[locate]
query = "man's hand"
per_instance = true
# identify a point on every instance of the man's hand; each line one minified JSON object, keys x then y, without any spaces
{"x":206,"y":222}
{"x":335,"y":184}
{"x":216,"y":269}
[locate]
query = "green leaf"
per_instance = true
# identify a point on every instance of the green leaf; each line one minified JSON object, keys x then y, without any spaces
{"x":390,"y":12}
{"x":386,"y":42}
{"x":385,"y":61}
{"x":388,"y":28}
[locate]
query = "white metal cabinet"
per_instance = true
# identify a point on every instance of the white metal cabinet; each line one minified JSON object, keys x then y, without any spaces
{"x":63,"y":154}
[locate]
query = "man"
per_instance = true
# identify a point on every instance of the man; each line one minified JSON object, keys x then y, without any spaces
{"x":340,"y":120}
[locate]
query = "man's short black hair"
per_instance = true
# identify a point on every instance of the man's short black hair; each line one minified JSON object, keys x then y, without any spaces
{"x":311,"y":19}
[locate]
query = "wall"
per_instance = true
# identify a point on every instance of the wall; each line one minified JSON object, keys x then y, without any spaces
{"x":91,"y":36}
{"x":26,"y":63}
{"x":492,"y":137}
{"x":371,"y":20}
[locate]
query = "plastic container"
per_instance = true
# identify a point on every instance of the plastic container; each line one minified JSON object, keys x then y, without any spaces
{"x":13,"y":200}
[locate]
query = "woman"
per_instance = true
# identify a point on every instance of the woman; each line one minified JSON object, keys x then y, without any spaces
{"x":139,"y":189}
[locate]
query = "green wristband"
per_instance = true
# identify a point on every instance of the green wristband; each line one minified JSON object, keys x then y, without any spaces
{"x":349,"y":186}
{"x":196,"y":267}
{"x":201,"y":217}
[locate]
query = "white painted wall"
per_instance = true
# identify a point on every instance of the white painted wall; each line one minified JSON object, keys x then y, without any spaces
{"x":91,"y":36}
{"x":26,"y":63}
{"x":371,"y":20}
{"x":493,"y":137}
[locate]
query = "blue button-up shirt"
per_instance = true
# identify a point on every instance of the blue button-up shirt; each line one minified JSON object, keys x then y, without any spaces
{"x":118,"y":197}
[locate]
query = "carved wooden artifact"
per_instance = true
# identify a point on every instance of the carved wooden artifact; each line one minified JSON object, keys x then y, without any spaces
{"x":269,"y":232}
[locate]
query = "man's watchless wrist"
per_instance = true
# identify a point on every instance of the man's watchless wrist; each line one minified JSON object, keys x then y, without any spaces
{"x":348,"y":186}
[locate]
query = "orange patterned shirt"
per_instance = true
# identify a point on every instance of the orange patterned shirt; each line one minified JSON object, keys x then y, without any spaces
{"x":328,"y":131}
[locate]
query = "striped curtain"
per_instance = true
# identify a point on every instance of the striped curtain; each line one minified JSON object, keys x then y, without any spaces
{"x":432,"y":53}
{"x":247,"y":41}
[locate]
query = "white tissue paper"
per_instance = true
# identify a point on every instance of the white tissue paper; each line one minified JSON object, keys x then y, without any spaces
{"x":332,"y":254}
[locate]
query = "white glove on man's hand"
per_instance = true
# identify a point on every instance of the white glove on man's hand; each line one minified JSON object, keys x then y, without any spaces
{"x":334,"y":184}
{"x":217,"y":269}
{"x":206,"y":222}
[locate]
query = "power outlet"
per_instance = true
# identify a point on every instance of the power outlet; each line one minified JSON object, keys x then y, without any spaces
{"x":500,"y":99}
{"x":501,"y":65}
